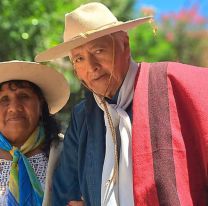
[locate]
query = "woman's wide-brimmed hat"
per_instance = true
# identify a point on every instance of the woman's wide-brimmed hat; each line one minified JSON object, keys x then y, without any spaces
{"x":52,"y":83}
{"x":86,"y":23}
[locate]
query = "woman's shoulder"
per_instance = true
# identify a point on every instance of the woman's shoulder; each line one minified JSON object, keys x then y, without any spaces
{"x":5,"y":155}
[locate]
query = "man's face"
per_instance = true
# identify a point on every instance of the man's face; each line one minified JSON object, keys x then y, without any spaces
{"x":102,"y":63}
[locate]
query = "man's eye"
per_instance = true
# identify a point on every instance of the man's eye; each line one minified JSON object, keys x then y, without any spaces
{"x":78,"y":59}
{"x":98,"y":51}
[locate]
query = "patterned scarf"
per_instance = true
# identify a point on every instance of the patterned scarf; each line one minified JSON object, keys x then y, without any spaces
{"x":24,"y":186}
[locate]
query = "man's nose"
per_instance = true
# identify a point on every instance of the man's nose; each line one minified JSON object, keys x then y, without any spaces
{"x":93,"y":64}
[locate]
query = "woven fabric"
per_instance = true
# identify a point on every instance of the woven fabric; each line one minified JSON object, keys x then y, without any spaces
{"x":170,"y":135}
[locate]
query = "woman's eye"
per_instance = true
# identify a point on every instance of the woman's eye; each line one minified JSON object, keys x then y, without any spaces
{"x":4,"y":100}
{"x":23,"y":96}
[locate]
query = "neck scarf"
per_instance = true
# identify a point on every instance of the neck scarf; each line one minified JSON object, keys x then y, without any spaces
{"x":121,"y":191}
{"x":24,"y":186}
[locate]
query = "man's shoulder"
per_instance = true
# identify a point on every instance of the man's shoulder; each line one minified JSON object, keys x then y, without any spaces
{"x":79,"y":107}
{"x":85,"y":104}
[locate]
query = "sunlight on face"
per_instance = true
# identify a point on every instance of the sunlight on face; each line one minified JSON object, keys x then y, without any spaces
{"x":102,"y":63}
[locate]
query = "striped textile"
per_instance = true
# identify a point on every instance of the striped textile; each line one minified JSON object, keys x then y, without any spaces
{"x":170,"y":135}
{"x":24,"y":187}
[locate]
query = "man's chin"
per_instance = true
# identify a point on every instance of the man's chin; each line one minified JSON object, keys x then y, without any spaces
{"x":102,"y":94}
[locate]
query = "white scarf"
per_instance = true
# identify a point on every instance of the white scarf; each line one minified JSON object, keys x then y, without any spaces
{"x":120,"y":193}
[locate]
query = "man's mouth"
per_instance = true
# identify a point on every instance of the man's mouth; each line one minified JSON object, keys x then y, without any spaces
{"x":98,"y":77}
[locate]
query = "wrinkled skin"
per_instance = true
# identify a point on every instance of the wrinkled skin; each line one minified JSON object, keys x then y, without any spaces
{"x":102,"y":64}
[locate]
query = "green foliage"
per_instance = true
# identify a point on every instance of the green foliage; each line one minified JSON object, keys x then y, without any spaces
{"x":188,"y":43}
{"x":28,"y":27}
{"x":22,"y":25}
{"x":180,"y":37}
{"x":149,"y":47}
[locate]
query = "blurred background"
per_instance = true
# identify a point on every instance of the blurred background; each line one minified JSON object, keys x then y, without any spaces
{"x":179,"y":33}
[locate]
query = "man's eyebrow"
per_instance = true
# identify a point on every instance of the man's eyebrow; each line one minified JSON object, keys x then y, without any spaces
{"x":98,"y":44}
{"x":92,"y":46}
{"x":77,"y":54}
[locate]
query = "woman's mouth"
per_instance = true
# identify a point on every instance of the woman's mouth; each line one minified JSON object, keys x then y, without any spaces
{"x":15,"y":119}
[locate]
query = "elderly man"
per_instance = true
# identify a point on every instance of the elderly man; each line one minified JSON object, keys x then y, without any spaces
{"x":140,"y":137}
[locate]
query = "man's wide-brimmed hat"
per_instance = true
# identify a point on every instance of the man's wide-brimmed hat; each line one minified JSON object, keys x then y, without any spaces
{"x":84,"y":24}
{"x":52,"y":83}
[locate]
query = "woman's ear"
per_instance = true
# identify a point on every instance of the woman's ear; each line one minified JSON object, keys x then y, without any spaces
{"x":42,"y":105}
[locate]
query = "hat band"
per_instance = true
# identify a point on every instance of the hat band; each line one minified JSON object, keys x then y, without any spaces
{"x":87,"y":33}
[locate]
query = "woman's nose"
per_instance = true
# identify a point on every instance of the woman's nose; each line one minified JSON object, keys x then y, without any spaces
{"x":15,"y":105}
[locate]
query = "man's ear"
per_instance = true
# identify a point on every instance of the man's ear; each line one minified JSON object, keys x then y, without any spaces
{"x":127,"y":50}
{"x":126,"y":44}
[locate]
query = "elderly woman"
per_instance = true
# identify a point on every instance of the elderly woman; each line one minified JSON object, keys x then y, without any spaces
{"x":29,"y":94}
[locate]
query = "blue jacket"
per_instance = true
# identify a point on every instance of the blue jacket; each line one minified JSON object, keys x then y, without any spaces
{"x":79,"y":170}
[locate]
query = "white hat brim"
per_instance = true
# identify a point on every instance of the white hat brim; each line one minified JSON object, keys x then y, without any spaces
{"x":64,"y":48}
{"x":52,"y":83}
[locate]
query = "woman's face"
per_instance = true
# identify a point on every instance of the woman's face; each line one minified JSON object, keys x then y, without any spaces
{"x":20,"y":110}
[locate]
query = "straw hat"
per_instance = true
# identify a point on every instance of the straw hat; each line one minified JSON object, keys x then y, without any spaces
{"x":52,"y":83}
{"x":86,"y":23}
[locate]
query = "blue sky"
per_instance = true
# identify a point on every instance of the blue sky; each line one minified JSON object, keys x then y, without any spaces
{"x":165,"y":6}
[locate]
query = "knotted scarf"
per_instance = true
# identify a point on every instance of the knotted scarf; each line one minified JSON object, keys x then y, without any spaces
{"x":120,"y":192}
{"x":24,"y":186}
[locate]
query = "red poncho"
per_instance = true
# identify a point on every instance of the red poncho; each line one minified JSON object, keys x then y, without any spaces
{"x":170,"y":135}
